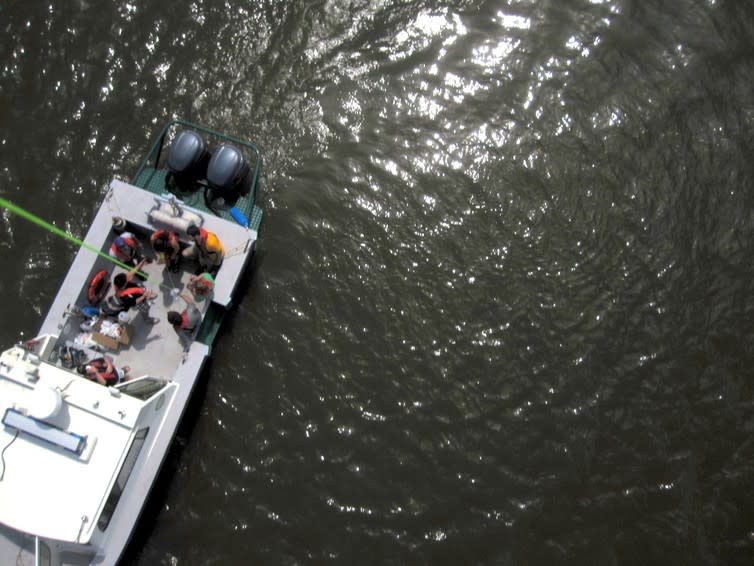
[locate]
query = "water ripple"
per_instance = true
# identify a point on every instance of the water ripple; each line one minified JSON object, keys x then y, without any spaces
{"x":500,"y":307}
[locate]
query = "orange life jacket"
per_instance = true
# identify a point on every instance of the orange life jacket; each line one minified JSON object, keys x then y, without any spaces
{"x":100,"y":366}
{"x":130,"y":292}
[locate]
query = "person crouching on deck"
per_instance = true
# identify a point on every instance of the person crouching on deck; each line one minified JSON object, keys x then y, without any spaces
{"x":206,"y":249}
{"x":126,"y":248}
{"x":129,"y":294}
{"x":201,"y":286}
{"x":103,"y":371}
{"x":168,"y":249}
{"x":185,"y":323}
{"x":188,"y":320}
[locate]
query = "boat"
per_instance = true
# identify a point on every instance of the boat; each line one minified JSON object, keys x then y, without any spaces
{"x":79,"y":455}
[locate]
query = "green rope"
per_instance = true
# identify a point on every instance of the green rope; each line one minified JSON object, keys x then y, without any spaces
{"x":15,"y":209}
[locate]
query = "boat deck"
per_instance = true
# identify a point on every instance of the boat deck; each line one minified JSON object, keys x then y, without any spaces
{"x":152,"y":349}
{"x":155,"y":349}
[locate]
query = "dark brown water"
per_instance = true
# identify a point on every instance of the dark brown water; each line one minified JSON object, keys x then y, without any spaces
{"x":502,"y":308}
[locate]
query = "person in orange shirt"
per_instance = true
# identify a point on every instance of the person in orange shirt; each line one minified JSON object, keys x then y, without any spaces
{"x":206,"y":249}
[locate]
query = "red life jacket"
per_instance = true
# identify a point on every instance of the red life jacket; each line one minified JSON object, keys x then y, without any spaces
{"x":134,"y":292}
{"x":169,"y":238}
{"x":190,"y":319}
{"x":130,"y":292}
{"x":100,"y":365}
{"x":124,"y":248}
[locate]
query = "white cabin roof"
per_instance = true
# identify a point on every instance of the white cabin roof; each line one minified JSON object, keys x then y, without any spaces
{"x":47,"y":490}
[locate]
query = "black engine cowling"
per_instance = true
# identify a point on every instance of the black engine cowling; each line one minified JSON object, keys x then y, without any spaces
{"x":187,"y":159}
{"x":228,"y":172}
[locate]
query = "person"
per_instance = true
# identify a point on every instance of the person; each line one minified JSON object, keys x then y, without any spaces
{"x":186,"y":322}
{"x":126,"y":248}
{"x":201,"y":286}
{"x":168,"y":249}
{"x":129,"y":294}
{"x":206,"y":249}
{"x":103,"y":371}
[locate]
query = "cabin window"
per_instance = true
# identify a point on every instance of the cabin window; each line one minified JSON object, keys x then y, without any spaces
{"x":142,"y":388}
{"x":122,"y":479}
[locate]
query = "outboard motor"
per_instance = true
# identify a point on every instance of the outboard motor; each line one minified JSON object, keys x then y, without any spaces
{"x":228,"y":172}
{"x":187,"y":160}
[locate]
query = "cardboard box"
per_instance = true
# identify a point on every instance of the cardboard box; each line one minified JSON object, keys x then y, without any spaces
{"x":107,"y":341}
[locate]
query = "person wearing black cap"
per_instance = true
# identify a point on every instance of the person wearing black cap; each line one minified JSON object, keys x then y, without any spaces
{"x":206,"y":249}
